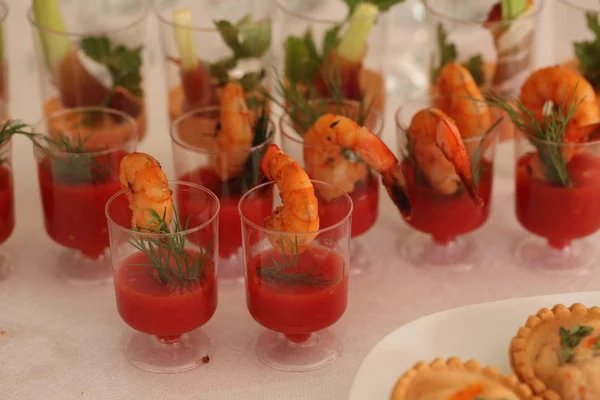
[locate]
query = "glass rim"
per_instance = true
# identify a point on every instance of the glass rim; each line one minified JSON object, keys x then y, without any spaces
{"x":532,"y":137}
{"x":245,"y":220}
{"x":318,"y":20}
{"x":172,"y":183}
{"x":405,"y":105}
{"x":4,"y":11}
{"x":538,"y":5}
{"x":208,"y":152}
{"x":160,"y":16}
{"x":130,"y":120}
{"x":572,"y":4}
{"x":285,"y":122}
{"x":136,"y":21}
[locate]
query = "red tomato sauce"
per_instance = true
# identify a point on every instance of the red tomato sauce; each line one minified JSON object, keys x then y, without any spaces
{"x":560,"y":214}
{"x":446,"y":217}
{"x":230,"y":228}
{"x":7,"y":208}
{"x":74,"y":210}
{"x":298,"y":309}
{"x":164,"y":310}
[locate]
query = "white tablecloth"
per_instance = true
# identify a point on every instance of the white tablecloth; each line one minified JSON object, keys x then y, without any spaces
{"x":64,"y":343}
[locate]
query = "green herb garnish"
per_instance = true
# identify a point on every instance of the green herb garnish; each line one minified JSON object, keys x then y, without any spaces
{"x":588,"y":52}
{"x":477,"y":166}
{"x":276,"y":274}
{"x":569,"y":339}
{"x":9,"y":129}
{"x":168,"y":260}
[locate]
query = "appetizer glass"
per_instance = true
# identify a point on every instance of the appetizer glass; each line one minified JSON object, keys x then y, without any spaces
{"x":196,"y":160}
{"x":214,"y":42}
{"x":7,"y":206}
{"x":576,"y":45}
{"x":365,"y":196}
{"x":442,"y":221}
{"x":78,"y":153}
{"x":297,"y":295}
{"x":166,"y":283}
{"x":91,"y":54}
{"x":364,"y":75}
{"x":557,"y":199}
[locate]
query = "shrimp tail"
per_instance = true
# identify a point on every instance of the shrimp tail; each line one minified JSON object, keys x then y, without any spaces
{"x":448,"y":139}
{"x":395,"y":184}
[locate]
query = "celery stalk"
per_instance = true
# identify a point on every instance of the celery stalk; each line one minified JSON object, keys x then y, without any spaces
{"x":354,"y":40}
{"x":56,"y":46}
{"x":511,"y":9}
{"x":184,"y":38}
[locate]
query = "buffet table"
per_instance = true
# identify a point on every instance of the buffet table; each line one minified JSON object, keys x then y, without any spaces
{"x":62,"y":342}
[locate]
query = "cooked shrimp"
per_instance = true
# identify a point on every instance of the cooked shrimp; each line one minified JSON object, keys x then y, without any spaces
{"x":300,"y":209}
{"x":147,"y":190}
{"x":562,"y":87}
{"x":460,"y":98}
{"x":236,"y":133}
{"x":325,"y":142}
{"x":440,"y":153}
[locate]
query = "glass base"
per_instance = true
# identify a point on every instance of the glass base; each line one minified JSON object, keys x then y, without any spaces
{"x":231,"y":270}
{"x":319,"y":350}
{"x":423,"y":252}
{"x":535,"y":253}
{"x":361,"y":258}
{"x":179,"y":354}
{"x":6,"y":266}
{"x":77,"y":270}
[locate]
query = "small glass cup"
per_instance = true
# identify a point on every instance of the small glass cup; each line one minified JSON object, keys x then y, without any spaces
{"x":7,"y":206}
{"x":558,"y":204}
{"x":97,"y":61}
{"x":365,"y":196}
{"x":197,"y":160}
{"x":576,"y":36}
{"x":296,"y":20}
{"x":295,"y":294}
{"x":166,"y":299}
{"x":217,"y":54}
{"x":78,"y":156}
{"x":442,"y":220}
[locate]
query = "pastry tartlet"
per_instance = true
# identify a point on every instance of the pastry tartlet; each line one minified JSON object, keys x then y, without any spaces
{"x":557,"y":353}
{"x":454,"y":380}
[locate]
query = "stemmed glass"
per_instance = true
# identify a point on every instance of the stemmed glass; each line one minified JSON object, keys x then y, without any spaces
{"x":78,"y":153}
{"x":166,"y":282}
{"x":365,"y":195}
{"x":558,"y":203}
{"x":197,"y":160}
{"x":297,"y":292}
{"x":206,"y":43}
{"x":90,"y":54}
{"x":443,"y":220}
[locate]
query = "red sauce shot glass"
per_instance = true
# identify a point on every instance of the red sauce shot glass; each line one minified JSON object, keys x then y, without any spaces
{"x":365,"y":195}
{"x":442,"y":222}
{"x":198,"y":160}
{"x":296,"y":288}
{"x":7,"y":204}
{"x":78,"y":154}
{"x":558,"y":203}
{"x":166,"y":282}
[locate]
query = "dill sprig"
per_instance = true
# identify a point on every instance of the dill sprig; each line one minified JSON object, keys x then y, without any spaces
{"x":550,"y":134}
{"x":276,"y":274}
{"x":168,"y":260}
{"x":9,"y":129}
{"x":477,"y":156}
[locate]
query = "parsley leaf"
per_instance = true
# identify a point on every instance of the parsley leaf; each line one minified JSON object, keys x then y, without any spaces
{"x":123,"y":64}
{"x":246,"y":38}
{"x":588,"y":52}
{"x":475,"y":67}
{"x":383,"y":5}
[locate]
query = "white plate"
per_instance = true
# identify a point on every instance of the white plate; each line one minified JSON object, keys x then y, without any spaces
{"x":481,"y":332}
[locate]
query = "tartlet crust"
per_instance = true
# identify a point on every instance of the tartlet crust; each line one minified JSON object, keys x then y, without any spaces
{"x":454,"y":364}
{"x":525,"y":346}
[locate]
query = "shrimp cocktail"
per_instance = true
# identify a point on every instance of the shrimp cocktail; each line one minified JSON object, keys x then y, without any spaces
{"x":224,"y":157}
{"x":78,"y":152}
{"x":206,"y":44}
{"x":296,"y":266}
{"x":448,"y":144}
{"x":164,"y":265}
{"x":558,"y":169}
{"x":90,"y":56}
{"x":347,"y":49}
